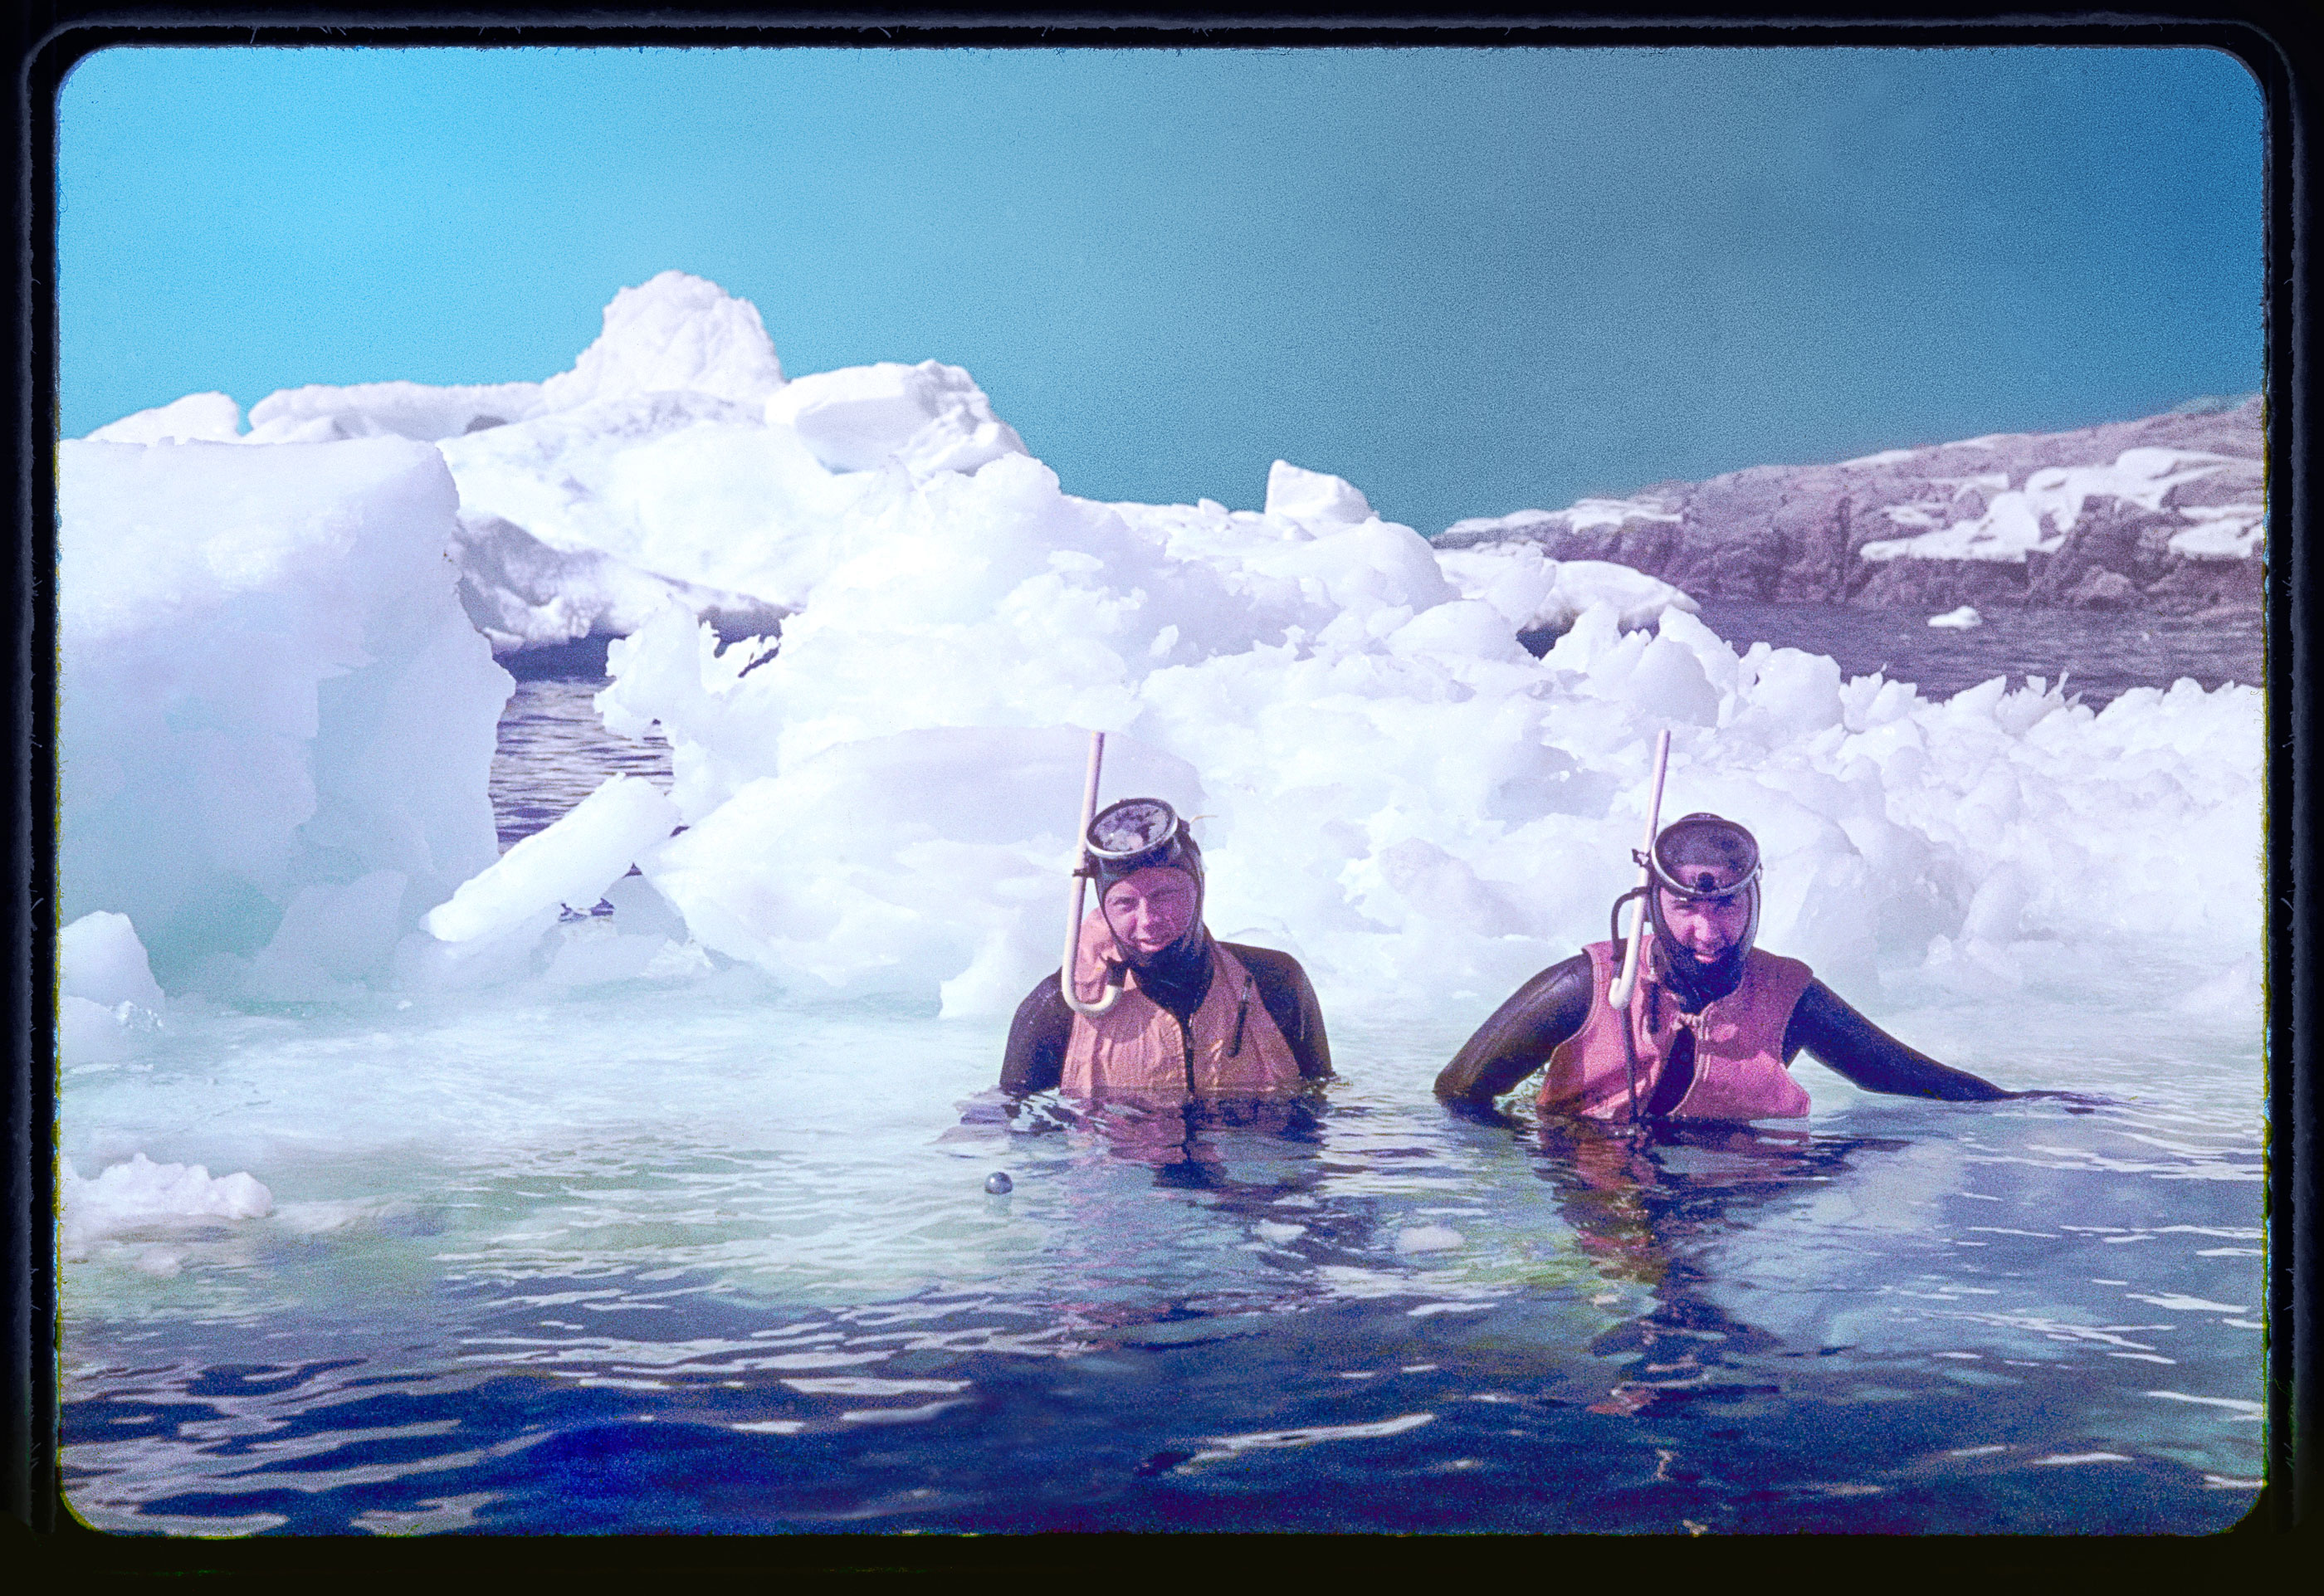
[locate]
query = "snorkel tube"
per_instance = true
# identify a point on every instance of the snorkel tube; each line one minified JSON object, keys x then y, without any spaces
{"x":1626,"y":982}
{"x":1629,"y":979}
{"x":1085,"y":868}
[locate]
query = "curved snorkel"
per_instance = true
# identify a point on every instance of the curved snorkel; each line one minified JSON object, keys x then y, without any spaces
{"x":1085,"y":868}
{"x":1618,"y":996}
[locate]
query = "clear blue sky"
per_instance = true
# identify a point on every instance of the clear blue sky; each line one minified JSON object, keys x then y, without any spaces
{"x":1468,"y":281}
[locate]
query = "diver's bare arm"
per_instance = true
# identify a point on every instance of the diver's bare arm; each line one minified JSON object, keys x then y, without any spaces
{"x":1520,"y":1036}
{"x":1035,"y":1059}
{"x":1851,"y":1045}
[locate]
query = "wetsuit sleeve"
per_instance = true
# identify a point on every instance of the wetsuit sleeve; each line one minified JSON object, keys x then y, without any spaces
{"x":1847,"y":1042}
{"x":1035,"y":1058}
{"x":1521,"y":1035}
{"x":1289,"y":998}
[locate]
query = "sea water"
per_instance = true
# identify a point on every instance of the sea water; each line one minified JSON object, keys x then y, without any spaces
{"x":680,"y":1256}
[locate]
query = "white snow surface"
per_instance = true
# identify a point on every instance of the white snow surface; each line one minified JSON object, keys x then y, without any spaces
{"x":570,"y":863}
{"x":673,"y":334}
{"x":198,"y":418}
{"x":925,"y":417}
{"x":564,"y":534}
{"x":319,"y":414}
{"x":1580,"y":516}
{"x":2221,"y":531}
{"x":1315,"y":499}
{"x":107,"y":1000}
{"x":2037,"y":518}
{"x":1390,"y":787}
{"x":99,"y":958}
{"x":1960,"y":620}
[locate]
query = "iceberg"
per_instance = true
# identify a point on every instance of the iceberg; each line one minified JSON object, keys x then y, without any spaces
{"x":875,"y":631}
{"x":925,"y":417}
{"x":570,"y":865}
{"x":141,"y":1195}
{"x":270,"y":699}
{"x":1538,"y":593}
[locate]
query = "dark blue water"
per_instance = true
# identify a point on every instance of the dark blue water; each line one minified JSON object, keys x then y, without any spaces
{"x":2101,"y":656}
{"x":554,"y":751}
{"x":1368,"y":1316}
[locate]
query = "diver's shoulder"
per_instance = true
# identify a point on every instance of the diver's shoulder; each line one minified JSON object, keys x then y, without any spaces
{"x":1775,"y":963}
{"x":1267,"y":963}
{"x":1044,"y":1001}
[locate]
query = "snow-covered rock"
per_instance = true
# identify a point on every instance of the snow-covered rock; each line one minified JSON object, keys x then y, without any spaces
{"x":2166,"y":512}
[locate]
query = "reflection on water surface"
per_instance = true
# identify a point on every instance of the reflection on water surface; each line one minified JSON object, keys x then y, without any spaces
{"x":752,"y":1297}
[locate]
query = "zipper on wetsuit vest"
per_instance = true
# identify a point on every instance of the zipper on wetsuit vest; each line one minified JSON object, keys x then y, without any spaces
{"x":1186,"y":1032}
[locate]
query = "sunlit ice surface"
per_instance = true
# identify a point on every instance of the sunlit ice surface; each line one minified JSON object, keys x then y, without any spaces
{"x":680,"y":1257}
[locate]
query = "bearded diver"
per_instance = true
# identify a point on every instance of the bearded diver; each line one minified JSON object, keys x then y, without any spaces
{"x":1713,"y":1024}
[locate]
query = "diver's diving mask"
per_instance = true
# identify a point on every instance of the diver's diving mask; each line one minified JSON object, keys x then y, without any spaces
{"x":1704,"y":857}
{"x":1134,"y":834}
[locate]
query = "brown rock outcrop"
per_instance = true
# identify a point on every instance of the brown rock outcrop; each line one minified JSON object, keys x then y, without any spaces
{"x":1795,"y":534}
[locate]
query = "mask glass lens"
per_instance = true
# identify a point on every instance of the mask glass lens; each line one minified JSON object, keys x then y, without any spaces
{"x":1132,"y":827}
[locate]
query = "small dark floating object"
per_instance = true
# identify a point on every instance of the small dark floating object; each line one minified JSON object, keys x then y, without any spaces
{"x":998,"y":1183}
{"x":1161,"y":1463}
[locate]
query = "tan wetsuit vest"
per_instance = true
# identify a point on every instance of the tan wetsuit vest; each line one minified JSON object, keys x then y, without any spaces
{"x":1231,"y":1045}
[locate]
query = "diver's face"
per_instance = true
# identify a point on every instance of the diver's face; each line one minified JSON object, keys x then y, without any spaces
{"x":1706,"y":926}
{"x":1150,"y":909}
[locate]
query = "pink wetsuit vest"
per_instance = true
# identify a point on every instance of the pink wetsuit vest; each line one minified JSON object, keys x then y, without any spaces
{"x":1739,"y":1044}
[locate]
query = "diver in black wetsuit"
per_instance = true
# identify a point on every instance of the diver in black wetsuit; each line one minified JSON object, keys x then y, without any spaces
{"x":1151,"y":902}
{"x":1703,"y":906}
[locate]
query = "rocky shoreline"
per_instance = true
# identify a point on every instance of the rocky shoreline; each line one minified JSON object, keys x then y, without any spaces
{"x":2161,"y":514}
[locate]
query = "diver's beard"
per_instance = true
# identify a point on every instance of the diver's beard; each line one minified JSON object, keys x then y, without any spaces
{"x":1696,"y":981}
